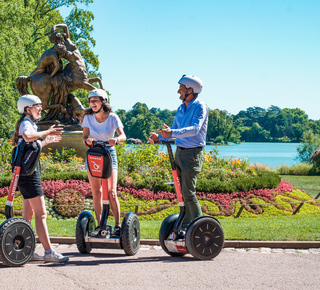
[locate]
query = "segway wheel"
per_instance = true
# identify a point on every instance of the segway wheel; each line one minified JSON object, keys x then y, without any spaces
{"x":17,"y":242}
{"x":130,"y":237}
{"x":85,"y":224}
{"x":165,"y":230}
{"x":204,"y":238}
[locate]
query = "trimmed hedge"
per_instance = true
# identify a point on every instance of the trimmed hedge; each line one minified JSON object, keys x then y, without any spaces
{"x":264,"y":179}
{"x":5,"y":181}
{"x":77,"y":175}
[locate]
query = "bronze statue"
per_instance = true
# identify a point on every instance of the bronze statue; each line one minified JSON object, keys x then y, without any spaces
{"x":53,"y":83}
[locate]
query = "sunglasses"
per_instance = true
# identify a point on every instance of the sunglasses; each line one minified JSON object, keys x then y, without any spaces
{"x":37,"y":106}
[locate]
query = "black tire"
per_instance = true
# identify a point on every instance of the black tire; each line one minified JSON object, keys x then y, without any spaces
{"x":17,"y":242}
{"x":204,"y":238}
{"x":85,"y":224}
{"x":130,"y":236}
{"x":165,"y":230}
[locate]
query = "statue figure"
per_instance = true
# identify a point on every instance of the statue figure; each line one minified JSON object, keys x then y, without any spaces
{"x":50,"y":60}
{"x":53,"y":83}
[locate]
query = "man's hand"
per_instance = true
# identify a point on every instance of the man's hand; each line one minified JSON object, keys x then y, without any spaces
{"x":153,"y":138}
{"x":166,"y":132}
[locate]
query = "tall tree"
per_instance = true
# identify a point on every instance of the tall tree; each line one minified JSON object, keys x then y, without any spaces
{"x":220,"y":127}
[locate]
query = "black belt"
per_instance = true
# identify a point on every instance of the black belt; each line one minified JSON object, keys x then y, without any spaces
{"x":182,"y":148}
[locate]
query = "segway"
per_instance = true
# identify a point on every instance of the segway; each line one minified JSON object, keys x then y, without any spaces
{"x":203,"y":238}
{"x":17,"y":238}
{"x":87,"y":235}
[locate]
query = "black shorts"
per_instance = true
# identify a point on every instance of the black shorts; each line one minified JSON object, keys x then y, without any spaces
{"x":30,"y":186}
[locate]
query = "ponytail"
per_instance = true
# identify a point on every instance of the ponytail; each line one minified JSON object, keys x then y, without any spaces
{"x":16,"y":133}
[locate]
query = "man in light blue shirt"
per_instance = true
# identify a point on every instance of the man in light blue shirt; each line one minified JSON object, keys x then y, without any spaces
{"x":190,"y":129}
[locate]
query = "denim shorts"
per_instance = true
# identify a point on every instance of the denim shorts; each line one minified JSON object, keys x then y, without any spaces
{"x":113,"y":154}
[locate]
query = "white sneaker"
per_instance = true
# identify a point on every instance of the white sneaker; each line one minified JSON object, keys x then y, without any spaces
{"x":55,"y":257}
{"x":37,"y":257}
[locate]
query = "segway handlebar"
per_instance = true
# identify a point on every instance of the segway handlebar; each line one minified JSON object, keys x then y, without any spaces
{"x":14,"y":181}
{"x":100,"y":143}
{"x":168,"y":143}
{"x":176,"y":182}
{"x":172,"y":141}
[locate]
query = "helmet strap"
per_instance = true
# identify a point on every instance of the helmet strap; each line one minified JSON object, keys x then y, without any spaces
{"x":98,"y":110}
{"x":30,"y":117}
{"x":186,"y":96}
{"x":102,"y":106}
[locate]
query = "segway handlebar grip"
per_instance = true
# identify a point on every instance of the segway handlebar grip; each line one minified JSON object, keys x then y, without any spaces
{"x":100,"y":143}
{"x":172,"y":141}
{"x":8,"y":211}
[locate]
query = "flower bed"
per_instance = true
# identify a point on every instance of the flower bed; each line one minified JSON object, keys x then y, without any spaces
{"x":225,"y":198}
{"x":52,"y":187}
{"x":157,"y":205}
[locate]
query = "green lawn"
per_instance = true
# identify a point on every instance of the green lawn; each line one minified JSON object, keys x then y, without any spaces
{"x":309,"y":184}
{"x":280,"y":228}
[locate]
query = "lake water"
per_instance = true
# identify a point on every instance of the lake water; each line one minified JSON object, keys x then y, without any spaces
{"x":271,"y":154}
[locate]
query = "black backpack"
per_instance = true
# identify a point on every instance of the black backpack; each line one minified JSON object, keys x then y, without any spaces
{"x":26,"y":155}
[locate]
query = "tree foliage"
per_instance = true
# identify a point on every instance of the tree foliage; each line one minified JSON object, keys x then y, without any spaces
{"x":309,"y":143}
{"x":252,"y":125}
{"x":22,"y":42}
{"x":273,"y":125}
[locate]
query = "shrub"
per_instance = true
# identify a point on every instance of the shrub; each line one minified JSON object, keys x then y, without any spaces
{"x":69,"y":203}
{"x":130,"y":158}
{"x":224,"y":168}
{"x":262,"y":167}
{"x":283,"y":169}
{"x":5,"y":156}
{"x":5,"y":151}
{"x":64,"y":154}
{"x":301,"y":169}
{"x":152,"y":178}
{"x":53,"y":162}
{"x":77,"y":175}
{"x":297,"y":169}
{"x":5,"y":181}
{"x":61,"y":160}
{"x":262,"y":180}
{"x":309,"y":143}
{"x":17,"y":205}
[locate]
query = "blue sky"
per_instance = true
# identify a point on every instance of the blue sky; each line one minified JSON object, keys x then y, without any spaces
{"x":247,"y":52}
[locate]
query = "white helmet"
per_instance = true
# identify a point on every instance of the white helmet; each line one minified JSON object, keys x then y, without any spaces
{"x":27,"y":101}
{"x":98,"y":93}
{"x":191,"y":82}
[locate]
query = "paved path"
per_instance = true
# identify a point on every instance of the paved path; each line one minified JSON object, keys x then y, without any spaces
{"x":151,"y":268}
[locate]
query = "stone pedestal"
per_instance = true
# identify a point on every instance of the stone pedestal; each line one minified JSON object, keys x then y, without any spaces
{"x":70,"y":139}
